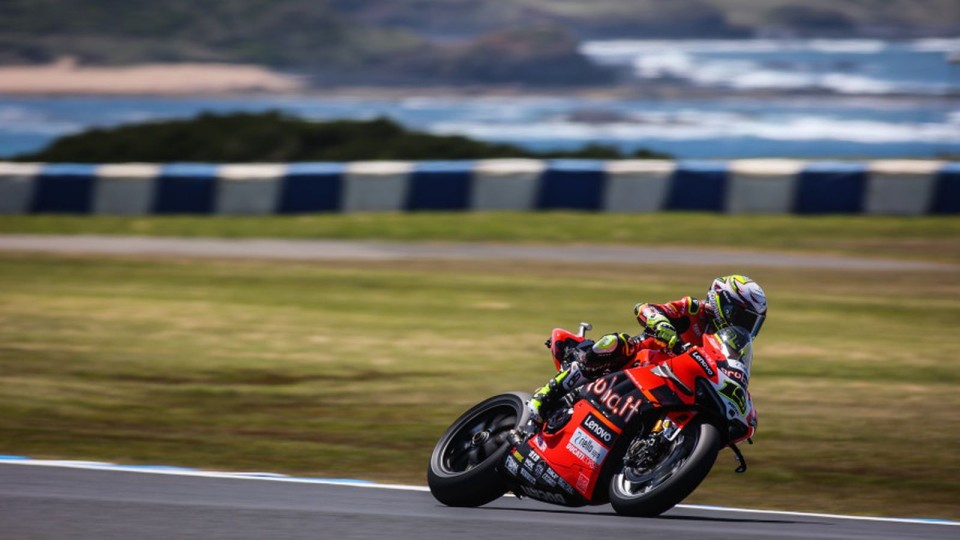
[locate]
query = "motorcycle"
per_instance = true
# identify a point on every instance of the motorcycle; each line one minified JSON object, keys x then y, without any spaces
{"x":641,"y":439}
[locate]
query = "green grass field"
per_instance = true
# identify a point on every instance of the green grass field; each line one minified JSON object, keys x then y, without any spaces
{"x":350,"y":369}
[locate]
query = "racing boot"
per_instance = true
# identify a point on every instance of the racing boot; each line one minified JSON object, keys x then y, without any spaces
{"x":546,"y":397}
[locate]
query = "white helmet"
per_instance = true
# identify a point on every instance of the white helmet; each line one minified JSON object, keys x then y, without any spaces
{"x":737,"y":301}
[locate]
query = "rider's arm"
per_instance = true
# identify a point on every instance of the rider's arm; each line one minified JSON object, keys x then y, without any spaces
{"x":660,"y":320}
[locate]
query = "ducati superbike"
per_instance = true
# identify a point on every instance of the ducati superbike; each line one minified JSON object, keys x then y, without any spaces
{"x":641,"y":439}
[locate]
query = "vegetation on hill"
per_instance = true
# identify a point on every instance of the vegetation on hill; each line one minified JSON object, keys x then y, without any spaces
{"x":275,"y":137}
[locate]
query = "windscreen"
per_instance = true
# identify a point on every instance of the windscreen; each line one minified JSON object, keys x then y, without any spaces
{"x":737,"y":346}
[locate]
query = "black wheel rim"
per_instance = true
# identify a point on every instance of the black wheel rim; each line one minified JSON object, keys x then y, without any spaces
{"x":477,"y":438}
{"x":636,"y":482}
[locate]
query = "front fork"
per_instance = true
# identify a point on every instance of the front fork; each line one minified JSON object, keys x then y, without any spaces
{"x":673,"y":423}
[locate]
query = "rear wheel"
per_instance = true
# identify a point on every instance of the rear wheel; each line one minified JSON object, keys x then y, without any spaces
{"x":658,"y":473}
{"x":463,"y":467}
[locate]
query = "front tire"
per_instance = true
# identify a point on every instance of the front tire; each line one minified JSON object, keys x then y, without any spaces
{"x":650,"y":491}
{"x":463,"y":467}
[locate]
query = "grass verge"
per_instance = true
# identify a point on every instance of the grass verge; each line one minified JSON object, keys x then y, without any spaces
{"x":354,"y":369}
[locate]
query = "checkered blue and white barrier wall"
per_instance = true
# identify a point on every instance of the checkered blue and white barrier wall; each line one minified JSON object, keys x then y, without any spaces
{"x":774,"y":186}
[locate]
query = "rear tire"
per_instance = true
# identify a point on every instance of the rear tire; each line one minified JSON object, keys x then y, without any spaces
{"x":463,"y":467}
{"x":651,"y":492}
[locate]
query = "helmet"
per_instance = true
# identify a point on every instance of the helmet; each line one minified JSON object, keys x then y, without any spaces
{"x":737,"y":301}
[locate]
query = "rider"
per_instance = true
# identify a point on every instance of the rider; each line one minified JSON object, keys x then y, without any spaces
{"x":733,"y":300}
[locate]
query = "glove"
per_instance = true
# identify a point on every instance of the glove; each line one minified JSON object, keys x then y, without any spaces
{"x":534,"y":407}
{"x":661,"y":328}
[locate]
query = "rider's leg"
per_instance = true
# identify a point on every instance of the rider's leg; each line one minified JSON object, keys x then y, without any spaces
{"x":584,"y":362}
{"x":563,"y":382}
{"x":587,"y":361}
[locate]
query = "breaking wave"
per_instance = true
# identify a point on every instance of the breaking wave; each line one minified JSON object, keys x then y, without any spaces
{"x":854,"y":66}
{"x":698,"y":124}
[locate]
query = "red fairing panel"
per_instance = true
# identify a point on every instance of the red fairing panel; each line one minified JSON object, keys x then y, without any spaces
{"x":559,"y":340}
{"x":578,"y":451}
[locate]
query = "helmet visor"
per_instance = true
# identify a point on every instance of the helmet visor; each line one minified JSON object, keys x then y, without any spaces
{"x":749,"y":320}
{"x":736,"y":315}
{"x":731,"y":313}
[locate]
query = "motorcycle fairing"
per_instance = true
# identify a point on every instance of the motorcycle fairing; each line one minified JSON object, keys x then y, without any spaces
{"x":621,"y":396}
{"x":559,"y":341}
{"x":534,"y":477}
{"x":571,"y":458}
{"x":565,"y":467}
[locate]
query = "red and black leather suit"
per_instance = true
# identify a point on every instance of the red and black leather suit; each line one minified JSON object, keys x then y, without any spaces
{"x":688,"y":317}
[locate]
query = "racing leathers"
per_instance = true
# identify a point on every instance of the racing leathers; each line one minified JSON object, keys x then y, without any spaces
{"x":677,"y":322}
{"x":671,"y":326}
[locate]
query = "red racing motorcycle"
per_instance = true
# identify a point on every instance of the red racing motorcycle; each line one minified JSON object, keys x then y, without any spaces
{"x":641,"y":439}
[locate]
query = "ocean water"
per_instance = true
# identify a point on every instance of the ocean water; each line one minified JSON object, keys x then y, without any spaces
{"x":814,"y":99}
{"x":853,"y":67}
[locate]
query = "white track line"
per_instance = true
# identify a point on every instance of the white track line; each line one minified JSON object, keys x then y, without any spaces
{"x":273,"y":477}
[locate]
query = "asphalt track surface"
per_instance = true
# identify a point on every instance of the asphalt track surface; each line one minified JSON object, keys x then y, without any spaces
{"x":55,"y":502}
{"x":386,"y":251}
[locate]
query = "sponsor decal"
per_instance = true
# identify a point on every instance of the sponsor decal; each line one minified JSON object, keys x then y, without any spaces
{"x":541,"y":495}
{"x":704,"y":365}
{"x":586,"y":448}
{"x":577,"y":453}
{"x":512,"y":465}
{"x":735,"y":370}
{"x":697,"y":325}
{"x":595,"y":426}
{"x":539,"y":442}
{"x":532,"y":459}
{"x":574,"y":378}
{"x":617,"y":404}
{"x":735,"y":375}
{"x":517,"y":455}
{"x":565,"y":486}
{"x":583,"y":482}
{"x":538,"y":470}
{"x":527,"y":476}
{"x":550,"y":478}
{"x":737,"y":365}
{"x":741,"y":372}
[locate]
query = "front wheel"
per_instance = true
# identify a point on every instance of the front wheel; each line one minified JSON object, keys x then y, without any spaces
{"x":657,"y":473}
{"x":463,"y":467}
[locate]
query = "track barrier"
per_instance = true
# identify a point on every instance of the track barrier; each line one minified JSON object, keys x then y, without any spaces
{"x":750,"y":186}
